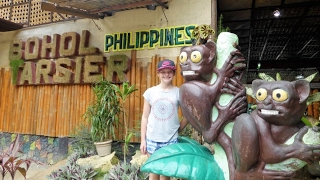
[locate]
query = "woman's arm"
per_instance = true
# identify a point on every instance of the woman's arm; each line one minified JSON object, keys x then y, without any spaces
{"x":183,"y":124}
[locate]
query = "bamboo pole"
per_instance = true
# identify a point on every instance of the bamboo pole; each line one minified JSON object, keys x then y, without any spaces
{"x":35,"y":110}
{"x":24,"y":113}
{"x":59,"y":127}
{"x":310,"y":109}
{"x":153,"y":71}
{"x":138,"y":93}
{"x":53,"y":111}
{"x":13,"y":97}
{"x":2,"y":95}
{"x":178,"y":73}
{"x":132,"y":73}
{"x":45,"y":115}
{"x":315,"y":106}
{"x":149,"y":75}
{"x":6,"y":99}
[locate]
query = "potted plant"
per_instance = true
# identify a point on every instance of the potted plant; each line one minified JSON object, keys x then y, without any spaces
{"x":123,"y":94}
{"x":103,"y":114}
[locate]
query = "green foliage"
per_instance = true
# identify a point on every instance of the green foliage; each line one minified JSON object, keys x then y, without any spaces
{"x":123,"y":94}
{"x":201,"y":33}
{"x":10,"y":162}
{"x":311,"y":77}
{"x":103,"y":114}
{"x":191,"y":154}
{"x":15,"y":64}
{"x":221,"y":28}
{"x":125,"y":171}
{"x":187,"y":131}
{"x":278,"y":77}
{"x":83,"y":141}
{"x":73,"y":171}
{"x":265,"y":77}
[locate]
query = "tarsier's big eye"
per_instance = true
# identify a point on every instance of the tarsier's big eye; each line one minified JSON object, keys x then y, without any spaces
{"x":183,"y":57}
{"x":196,"y":56}
{"x":261,"y":94}
{"x":280,"y":95}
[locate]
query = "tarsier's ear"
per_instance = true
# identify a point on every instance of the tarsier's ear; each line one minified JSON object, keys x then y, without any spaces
{"x":212,"y":46}
{"x":303,"y":89}
{"x":256,"y":83}
{"x":182,"y":48}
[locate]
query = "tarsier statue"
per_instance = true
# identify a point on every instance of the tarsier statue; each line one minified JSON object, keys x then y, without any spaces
{"x":261,"y":140}
{"x":204,"y":83}
{"x":267,"y":144}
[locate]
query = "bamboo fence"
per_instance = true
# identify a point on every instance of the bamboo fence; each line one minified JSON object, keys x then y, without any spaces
{"x":56,"y":110}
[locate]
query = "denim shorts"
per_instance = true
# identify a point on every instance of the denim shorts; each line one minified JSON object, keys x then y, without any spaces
{"x":152,"y":146}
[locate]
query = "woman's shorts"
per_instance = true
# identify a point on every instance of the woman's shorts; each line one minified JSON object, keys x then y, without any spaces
{"x":152,"y":146}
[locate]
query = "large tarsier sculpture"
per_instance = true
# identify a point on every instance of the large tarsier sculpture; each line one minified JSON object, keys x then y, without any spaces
{"x":201,"y":94}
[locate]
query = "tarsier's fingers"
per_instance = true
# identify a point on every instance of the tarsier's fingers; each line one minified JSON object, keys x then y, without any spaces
{"x":236,"y":55}
{"x":279,"y":174}
{"x":239,"y":105}
{"x":236,"y":84}
{"x":301,"y":133}
{"x":232,"y":68}
{"x":237,"y":47}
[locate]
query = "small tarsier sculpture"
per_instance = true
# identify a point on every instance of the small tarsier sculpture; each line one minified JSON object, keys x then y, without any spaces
{"x":204,"y":83}
{"x":261,"y":139}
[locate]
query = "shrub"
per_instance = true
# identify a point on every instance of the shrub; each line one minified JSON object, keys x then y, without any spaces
{"x":125,"y":171}
{"x":73,"y":171}
{"x":83,"y":142}
{"x":10,"y":162}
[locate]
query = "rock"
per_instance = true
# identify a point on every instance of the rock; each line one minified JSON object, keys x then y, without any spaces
{"x":103,"y":163}
{"x":139,"y":159}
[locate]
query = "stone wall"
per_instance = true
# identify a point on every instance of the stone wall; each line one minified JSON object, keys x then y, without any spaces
{"x":45,"y":149}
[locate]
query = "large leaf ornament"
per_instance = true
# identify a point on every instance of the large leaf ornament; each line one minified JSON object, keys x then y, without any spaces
{"x":186,"y":159}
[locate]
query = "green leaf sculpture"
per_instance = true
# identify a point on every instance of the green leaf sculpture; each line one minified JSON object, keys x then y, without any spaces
{"x":186,"y":159}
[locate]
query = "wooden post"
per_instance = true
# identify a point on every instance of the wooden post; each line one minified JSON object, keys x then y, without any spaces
{"x":214,"y":18}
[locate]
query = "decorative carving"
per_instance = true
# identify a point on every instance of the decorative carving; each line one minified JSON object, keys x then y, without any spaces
{"x":50,"y":47}
{"x":92,"y":72}
{"x":33,"y":46}
{"x":118,"y":65}
{"x":201,"y":97}
{"x":69,"y":44}
{"x":271,"y":142}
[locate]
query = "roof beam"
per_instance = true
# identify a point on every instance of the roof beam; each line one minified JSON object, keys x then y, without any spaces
{"x":127,"y":6}
{"x":293,"y":64}
{"x":51,"y":7}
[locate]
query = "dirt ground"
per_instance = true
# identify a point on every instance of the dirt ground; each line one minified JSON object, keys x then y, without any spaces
{"x":37,"y":172}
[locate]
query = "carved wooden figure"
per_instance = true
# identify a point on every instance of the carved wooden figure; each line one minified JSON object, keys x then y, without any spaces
{"x":202,"y":89}
{"x":269,"y":143}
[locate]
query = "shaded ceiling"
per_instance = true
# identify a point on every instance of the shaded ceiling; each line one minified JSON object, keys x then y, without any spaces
{"x":288,"y":44}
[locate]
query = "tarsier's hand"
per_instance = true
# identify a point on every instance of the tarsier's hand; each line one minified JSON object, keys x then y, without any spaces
{"x":235,"y":107}
{"x":233,"y":86}
{"x":235,"y":62}
{"x":302,"y":151}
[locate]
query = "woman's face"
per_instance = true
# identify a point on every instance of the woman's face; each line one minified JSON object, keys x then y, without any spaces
{"x":166,"y":75}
